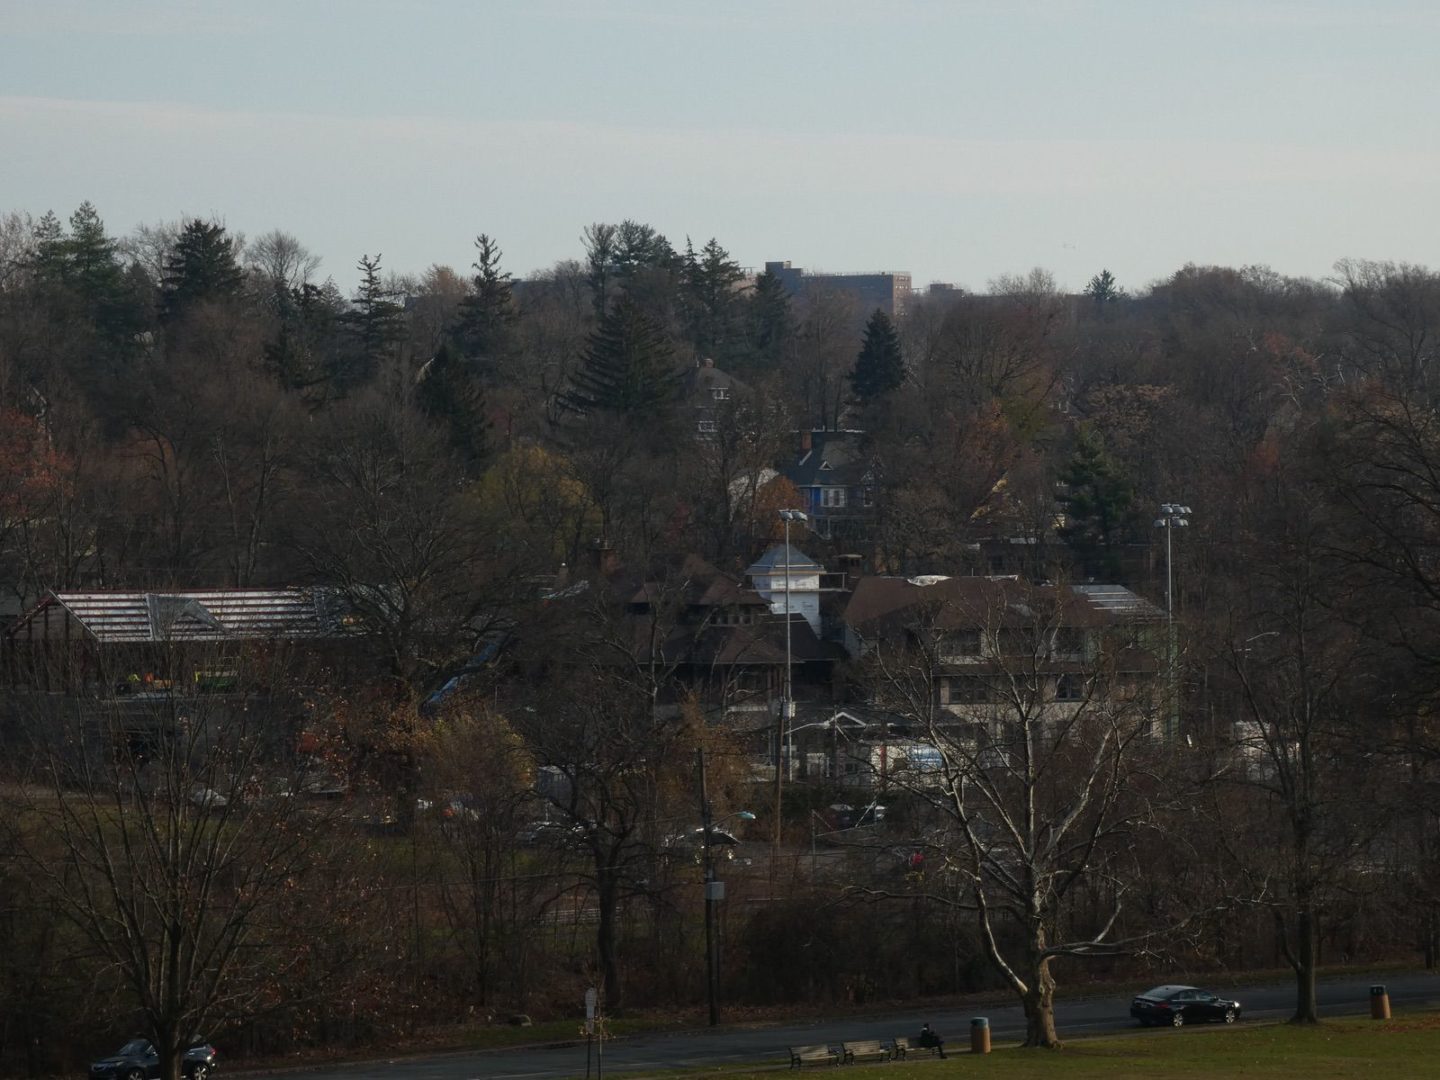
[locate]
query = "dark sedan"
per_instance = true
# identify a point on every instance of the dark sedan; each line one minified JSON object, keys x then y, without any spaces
{"x":137,"y":1060}
{"x":1176,"y":1006}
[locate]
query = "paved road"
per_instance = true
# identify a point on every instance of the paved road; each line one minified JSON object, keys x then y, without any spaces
{"x":1089,"y":1016}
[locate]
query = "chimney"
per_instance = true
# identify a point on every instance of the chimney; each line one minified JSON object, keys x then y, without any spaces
{"x":804,"y":442}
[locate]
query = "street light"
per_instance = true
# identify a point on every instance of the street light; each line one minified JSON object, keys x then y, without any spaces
{"x":714,"y":890}
{"x":787,"y":705}
{"x":1172,"y":516}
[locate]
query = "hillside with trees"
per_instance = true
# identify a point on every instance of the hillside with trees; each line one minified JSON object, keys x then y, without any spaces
{"x":514,"y":494}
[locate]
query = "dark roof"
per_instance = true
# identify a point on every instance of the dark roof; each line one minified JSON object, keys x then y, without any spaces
{"x":834,"y":459}
{"x":967,"y":603}
{"x":695,"y":581}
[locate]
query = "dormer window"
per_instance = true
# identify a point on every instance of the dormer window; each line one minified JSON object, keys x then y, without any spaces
{"x":720,"y":393}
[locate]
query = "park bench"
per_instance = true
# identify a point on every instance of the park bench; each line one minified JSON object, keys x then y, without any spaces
{"x":901,"y":1047}
{"x":863,"y":1049}
{"x":820,"y":1054}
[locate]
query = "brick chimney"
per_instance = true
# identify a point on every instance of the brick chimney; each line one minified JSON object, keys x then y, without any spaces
{"x":805,"y":442}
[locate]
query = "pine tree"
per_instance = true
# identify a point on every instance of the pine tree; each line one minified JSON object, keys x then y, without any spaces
{"x":92,"y":270}
{"x":375,"y":324}
{"x":485,"y":329}
{"x":451,"y":392}
{"x":711,"y":301}
{"x":202,"y":267}
{"x":769,"y":320}
{"x":880,"y":367}
{"x":1098,"y":497}
{"x":628,"y":369}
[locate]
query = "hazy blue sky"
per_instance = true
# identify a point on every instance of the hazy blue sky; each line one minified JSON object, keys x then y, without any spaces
{"x":958,"y":140}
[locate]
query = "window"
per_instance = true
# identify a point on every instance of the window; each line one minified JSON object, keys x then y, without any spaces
{"x":706,"y":427}
{"x":1070,"y":688}
{"x":720,"y":393}
{"x":959,"y":644}
{"x":867,"y":497}
{"x":832,"y":496}
{"x":964,"y":690}
{"x":1069,"y":641}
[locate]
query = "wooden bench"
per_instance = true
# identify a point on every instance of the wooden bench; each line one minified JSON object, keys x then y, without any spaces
{"x":863,"y":1049}
{"x":820,"y":1054}
{"x":901,"y":1047}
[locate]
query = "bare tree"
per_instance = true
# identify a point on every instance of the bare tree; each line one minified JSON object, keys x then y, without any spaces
{"x":162,"y":822}
{"x":1030,"y":719}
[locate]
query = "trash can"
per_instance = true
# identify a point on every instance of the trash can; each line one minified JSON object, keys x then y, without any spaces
{"x":1379,"y":1003}
{"x":980,"y":1035}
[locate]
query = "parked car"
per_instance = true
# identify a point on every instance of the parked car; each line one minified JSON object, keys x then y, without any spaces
{"x":137,"y":1060}
{"x":1177,"y":1006}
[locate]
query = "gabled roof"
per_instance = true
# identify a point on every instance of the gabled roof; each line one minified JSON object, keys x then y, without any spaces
{"x":834,"y":459}
{"x":208,"y":615}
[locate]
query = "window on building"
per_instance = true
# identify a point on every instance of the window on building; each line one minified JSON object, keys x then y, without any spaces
{"x":964,"y":690}
{"x":1069,"y":641}
{"x":832,"y":496}
{"x":706,"y":427}
{"x":959,"y":645}
{"x":720,"y":393}
{"x":867,"y":497}
{"x":1070,"y":688}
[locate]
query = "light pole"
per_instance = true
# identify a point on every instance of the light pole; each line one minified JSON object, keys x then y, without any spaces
{"x":1172,"y":516}
{"x":787,"y":705}
{"x":714,"y":891}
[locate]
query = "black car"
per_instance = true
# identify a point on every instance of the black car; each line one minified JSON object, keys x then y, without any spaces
{"x":137,"y":1060}
{"x":1176,"y":1006}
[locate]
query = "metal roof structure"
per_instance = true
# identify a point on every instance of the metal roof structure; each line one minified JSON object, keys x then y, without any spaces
{"x":1118,"y":600}
{"x":210,"y":615}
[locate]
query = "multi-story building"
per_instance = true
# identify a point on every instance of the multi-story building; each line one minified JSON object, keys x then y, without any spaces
{"x":887,"y":290}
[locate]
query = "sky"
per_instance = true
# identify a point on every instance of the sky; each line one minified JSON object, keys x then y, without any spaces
{"x":958,"y":140}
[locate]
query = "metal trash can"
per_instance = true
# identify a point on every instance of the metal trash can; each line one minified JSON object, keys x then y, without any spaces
{"x":1379,"y":1002}
{"x":980,"y":1035}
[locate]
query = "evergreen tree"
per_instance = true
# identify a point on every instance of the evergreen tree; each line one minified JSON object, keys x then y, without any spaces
{"x":451,"y":392}
{"x":880,"y":367}
{"x":92,"y":270}
{"x":304,"y":354}
{"x":711,"y":301}
{"x":1104,"y":292}
{"x":628,"y":369}
{"x":485,"y":329}
{"x":375,"y":324}
{"x":770,"y":323}
{"x":1097,"y":499}
{"x":202,"y":267}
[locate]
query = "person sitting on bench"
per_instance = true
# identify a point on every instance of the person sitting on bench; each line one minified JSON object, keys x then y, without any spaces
{"x":931,"y":1041}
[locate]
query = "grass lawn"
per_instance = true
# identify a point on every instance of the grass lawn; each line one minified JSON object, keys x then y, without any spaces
{"x":1335,"y":1050}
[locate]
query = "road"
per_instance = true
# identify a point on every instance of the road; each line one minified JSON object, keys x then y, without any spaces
{"x":699,"y":1049}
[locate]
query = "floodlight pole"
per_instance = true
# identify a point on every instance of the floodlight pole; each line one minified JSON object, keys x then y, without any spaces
{"x":711,"y":983}
{"x":783,"y":729}
{"x":1172,"y":516}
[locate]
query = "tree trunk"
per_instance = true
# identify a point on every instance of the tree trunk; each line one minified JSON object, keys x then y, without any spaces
{"x":608,"y":897}
{"x":1039,"y":1002}
{"x":1304,"y":964}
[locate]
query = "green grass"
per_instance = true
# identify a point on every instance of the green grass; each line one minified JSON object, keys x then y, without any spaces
{"x":1400,"y":1049}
